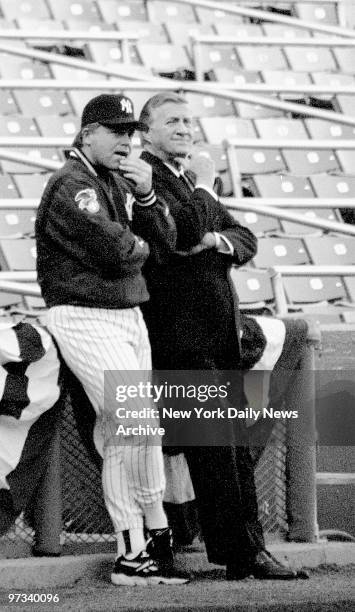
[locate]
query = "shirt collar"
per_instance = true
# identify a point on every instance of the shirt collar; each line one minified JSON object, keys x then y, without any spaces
{"x":176,"y":171}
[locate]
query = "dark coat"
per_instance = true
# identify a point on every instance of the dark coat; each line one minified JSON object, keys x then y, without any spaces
{"x":192,"y":315}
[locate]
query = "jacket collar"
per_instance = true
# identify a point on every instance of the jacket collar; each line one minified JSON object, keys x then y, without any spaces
{"x":76,"y":153}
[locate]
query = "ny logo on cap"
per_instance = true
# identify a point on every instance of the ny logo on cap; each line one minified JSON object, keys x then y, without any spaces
{"x":126,"y":106}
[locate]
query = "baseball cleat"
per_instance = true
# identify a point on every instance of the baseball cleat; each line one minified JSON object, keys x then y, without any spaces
{"x":160,"y":548}
{"x":141,"y":571}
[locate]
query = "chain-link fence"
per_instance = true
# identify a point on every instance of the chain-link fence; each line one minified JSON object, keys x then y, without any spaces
{"x":85,"y":518}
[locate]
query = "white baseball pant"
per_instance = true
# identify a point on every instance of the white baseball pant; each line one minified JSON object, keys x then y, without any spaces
{"x":92,"y":340}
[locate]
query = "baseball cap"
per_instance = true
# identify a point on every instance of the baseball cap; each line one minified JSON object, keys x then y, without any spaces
{"x":111,"y":110}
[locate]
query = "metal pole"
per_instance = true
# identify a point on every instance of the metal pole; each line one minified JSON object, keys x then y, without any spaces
{"x":301,"y":453}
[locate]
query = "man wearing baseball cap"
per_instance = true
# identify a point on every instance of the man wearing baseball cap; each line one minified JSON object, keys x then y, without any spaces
{"x":89,"y":265}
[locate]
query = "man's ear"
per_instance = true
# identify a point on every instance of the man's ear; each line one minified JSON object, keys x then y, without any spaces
{"x":86,"y":136}
{"x":146,"y":137}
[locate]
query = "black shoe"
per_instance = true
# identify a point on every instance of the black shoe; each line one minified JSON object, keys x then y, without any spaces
{"x":140,"y":571}
{"x":160,"y":548}
{"x":264,"y":567}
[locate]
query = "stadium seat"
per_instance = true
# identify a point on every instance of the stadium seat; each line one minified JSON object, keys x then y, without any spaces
{"x":209,"y":105}
{"x":334,"y":80}
{"x":256,"y":161}
{"x":323,"y":14}
{"x":146,"y":31}
{"x":16,"y":223}
{"x":236,"y":75}
{"x":261,"y":57}
{"x":54,"y":125}
{"x":114,"y":12}
{"x":34,"y":102}
{"x":331,"y":250}
{"x":345,"y":59}
{"x":62,"y":73}
{"x":36,"y":9}
{"x":285,"y":78}
{"x":346,"y":160}
{"x":280,"y":30}
{"x":253,"y":287}
{"x":282,"y":186}
{"x":280,"y":128}
{"x":43,"y":25}
{"x":216,"y":15}
{"x":170,"y":11}
{"x":10,"y":299}
{"x":80,"y":10}
{"x":181,"y":33}
{"x":20,"y":68}
{"x":348,"y":13}
{"x":257,"y":223}
{"x":17,"y":125}
{"x":332,"y":186}
{"x":7,"y":187}
{"x":110,"y":52}
{"x":18,"y":254}
{"x":318,"y":128}
{"x":346,"y":104}
{"x":31,"y":185}
{"x":304,"y":163}
{"x":349,"y":282}
{"x":280,"y":251}
{"x":297,"y":229}
{"x":213,"y":57}
{"x":163,"y":58}
{"x":242,"y":30}
{"x":310,"y":59}
{"x":216,"y":129}
{"x":256,"y":111}
{"x":85,"y":26}
{"x":302,"y":290}
{"x":34,"y":303}
{"x":7,"y":103}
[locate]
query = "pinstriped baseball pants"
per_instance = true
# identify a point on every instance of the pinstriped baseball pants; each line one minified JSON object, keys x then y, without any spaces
{"x":92,"y":340}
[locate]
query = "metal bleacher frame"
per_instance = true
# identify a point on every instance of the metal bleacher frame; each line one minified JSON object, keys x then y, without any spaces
{"x":128,"y":77}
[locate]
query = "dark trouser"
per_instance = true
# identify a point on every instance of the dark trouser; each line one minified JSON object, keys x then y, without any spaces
{"x":221,"y":469}
{"x":223,"y":479}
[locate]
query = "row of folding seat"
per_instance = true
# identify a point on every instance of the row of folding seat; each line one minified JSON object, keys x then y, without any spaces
{"x":169,"y":57}
{"x":41,"y":107}
{"x":33,"y":102}
{"x":19,"y":222}
{"x":265,"y":225}
{"x":255,"y":289}
{"x":168,"y":48}
{"x":253,"y":285}
{"x":111,"y":10}
{"x":272,"y":251}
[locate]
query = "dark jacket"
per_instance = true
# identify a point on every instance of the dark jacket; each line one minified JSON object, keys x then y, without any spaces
{"x":192,"y":316}
{"x":87,"y":253}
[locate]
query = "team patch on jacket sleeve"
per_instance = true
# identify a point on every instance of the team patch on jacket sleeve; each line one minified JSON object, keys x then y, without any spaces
{"x":87,"y":200}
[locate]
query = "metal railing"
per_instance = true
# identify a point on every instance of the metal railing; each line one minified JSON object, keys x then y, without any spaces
{"x":269,"y":16}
